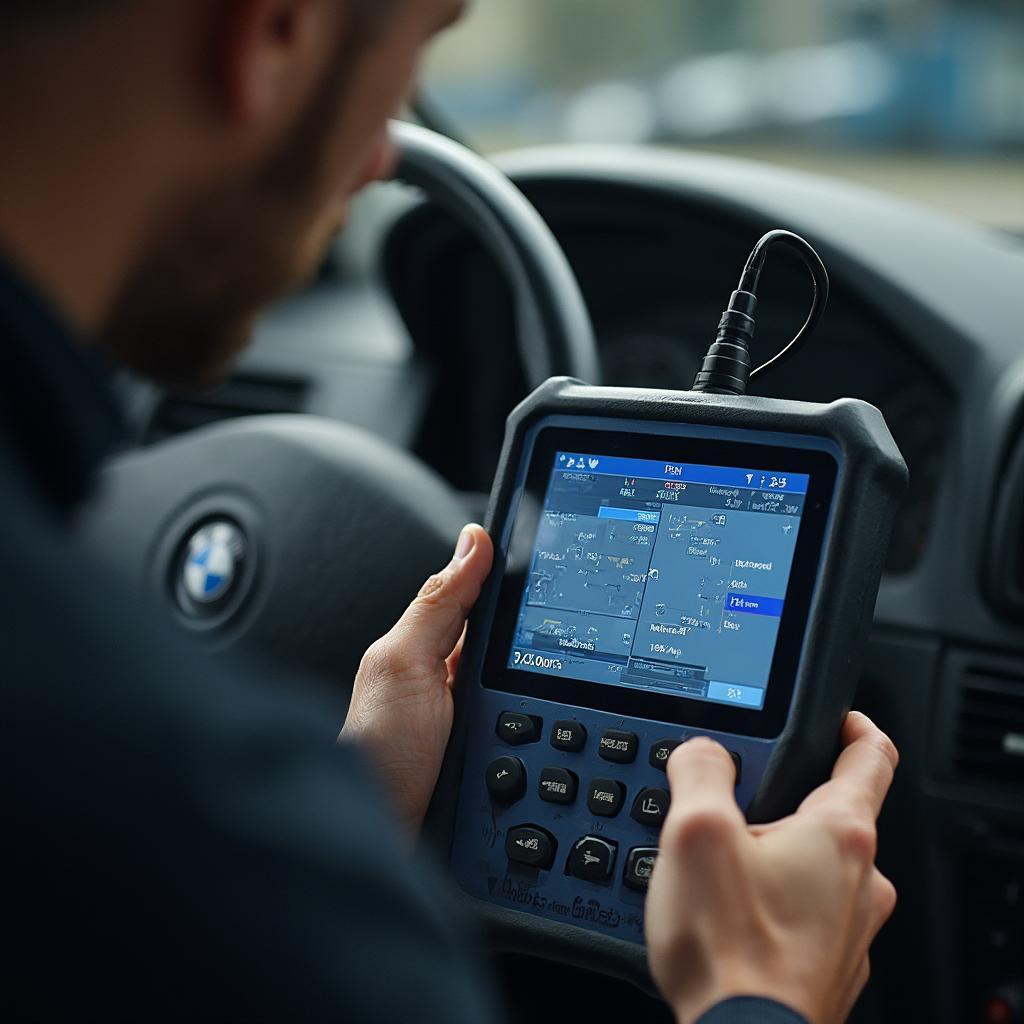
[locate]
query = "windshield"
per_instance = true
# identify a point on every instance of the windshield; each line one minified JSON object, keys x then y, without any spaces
{"x":919,"y":97}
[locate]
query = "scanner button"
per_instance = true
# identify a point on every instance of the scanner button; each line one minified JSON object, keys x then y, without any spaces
{"x":530,"y":845}
{"x":515,"y":728}
{"x":558,"y":786}
{"x":650,"y":807}
{"x":660,"y":753}
{"x":639,"y":867}
{"x":605,"y":797}
{"x":592,"y":859}
{"x":506,"y":780}
{"x":618,"y":746}
{"x":568,"y":735}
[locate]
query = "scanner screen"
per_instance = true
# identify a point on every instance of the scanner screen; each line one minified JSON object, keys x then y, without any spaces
{"x":661,"y":576}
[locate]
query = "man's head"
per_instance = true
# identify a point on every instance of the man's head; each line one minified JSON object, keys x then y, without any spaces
{"x":248,"y":124}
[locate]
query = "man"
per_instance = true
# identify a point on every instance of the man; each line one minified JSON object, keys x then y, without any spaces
{"x":191,"y":843}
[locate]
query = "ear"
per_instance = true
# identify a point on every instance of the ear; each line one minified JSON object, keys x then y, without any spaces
{"x":268,"y":55}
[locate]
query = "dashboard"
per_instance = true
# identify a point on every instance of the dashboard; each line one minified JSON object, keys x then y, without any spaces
{"x":922,"y":323}
{"x":656,"y":280}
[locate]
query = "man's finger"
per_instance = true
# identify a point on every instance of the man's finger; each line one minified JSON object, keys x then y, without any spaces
{"x":702,"y":778}
{"x":864,"y":771}
{"x":433,"y":623}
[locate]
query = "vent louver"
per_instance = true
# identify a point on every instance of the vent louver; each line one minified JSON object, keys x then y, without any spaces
{"x":988,"y":724}
{"x":242,"y":395}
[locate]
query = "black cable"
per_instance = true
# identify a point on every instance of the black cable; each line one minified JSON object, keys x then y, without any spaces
{"x":726,"y":367}
{"x":819,"y":278}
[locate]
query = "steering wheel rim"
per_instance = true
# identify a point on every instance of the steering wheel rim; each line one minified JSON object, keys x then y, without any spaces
{"x":554,"y":331}
{"x":312,"y":506}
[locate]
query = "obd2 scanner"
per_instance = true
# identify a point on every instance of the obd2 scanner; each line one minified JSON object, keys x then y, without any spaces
{"x":668,"y":565}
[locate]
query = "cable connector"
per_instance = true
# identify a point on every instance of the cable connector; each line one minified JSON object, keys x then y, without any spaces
{"x":726,"y":367}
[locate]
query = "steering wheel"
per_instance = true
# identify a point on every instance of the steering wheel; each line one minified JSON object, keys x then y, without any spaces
{"x":303,"y":538}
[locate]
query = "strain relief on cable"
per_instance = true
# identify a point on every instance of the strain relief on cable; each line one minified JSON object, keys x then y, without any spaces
{"x":726,"y":367}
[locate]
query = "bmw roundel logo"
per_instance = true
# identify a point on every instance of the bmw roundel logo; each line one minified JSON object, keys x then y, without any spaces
{"x":212,"y":563}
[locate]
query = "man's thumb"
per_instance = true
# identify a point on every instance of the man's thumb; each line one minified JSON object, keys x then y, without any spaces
{"x":433,"y":623}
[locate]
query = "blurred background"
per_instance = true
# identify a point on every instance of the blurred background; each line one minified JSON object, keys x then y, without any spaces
{"x":924,"y":98}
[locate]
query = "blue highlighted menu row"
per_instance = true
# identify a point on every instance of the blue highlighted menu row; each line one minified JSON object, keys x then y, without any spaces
{"x":730,"y":693}
{"x":629,"y":515}
{"x":714,"y":476}
{"x":751,"y":604}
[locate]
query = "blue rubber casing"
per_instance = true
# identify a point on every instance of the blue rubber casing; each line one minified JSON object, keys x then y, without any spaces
{"x":600,"y":925}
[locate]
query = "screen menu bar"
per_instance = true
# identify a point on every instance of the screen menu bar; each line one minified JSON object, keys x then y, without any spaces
{"x":653,"y":469}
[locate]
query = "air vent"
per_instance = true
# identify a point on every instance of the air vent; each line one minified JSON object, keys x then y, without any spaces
{"x":243,"y":395}
{"x":986,"y":698}
{"x":1006,"y":551}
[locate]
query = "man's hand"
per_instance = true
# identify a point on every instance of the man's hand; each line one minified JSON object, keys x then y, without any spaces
{"x":787,"y":910}
{"x":402,"y":705}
